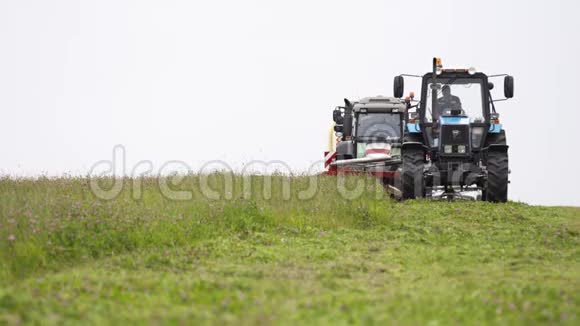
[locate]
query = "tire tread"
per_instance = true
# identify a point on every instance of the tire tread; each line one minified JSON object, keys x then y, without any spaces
{"x":497,"y":176}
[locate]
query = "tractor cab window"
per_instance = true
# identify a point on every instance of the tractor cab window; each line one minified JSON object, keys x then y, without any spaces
{"x":373,"y":127}
{"x":459,"y":96}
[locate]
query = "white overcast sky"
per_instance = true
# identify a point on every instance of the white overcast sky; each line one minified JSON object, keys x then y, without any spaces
{"x":257,"y":80}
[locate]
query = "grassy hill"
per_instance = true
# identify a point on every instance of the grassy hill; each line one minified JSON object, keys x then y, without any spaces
{"x":66,"y":256}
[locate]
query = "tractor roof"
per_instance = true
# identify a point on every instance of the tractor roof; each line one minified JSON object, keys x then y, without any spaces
{"x":380,"y":104}
{"x":456,"y":73}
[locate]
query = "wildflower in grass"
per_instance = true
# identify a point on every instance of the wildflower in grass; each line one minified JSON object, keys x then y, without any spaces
{"x":12,"y":238}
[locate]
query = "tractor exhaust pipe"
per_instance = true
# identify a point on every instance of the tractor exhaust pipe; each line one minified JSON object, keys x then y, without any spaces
{"x":434,"y":90}
{"x":347,"y":123}
{"x":434,"y":109}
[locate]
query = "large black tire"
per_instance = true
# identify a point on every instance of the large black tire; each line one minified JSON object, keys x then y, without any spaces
{"x":497,"y":177}
{"x":412,"y":183}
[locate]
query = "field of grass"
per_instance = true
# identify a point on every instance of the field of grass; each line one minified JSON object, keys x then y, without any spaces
{"x":67,"y":257}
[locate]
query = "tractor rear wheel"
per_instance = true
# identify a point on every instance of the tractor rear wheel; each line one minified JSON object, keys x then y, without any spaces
{"x":496,"y":189}
{"x":411,"y":176}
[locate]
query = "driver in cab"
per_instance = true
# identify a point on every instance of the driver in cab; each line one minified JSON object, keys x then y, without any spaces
{"x":448,"y":102}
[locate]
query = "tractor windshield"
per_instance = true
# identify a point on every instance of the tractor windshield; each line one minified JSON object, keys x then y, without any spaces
{"x":461,"y":96}
{"x":372,"y":127}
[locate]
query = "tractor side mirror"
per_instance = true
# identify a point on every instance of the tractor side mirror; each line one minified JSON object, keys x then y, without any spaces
{"x":508,"y":86}
{"x":490,"y":86}
{"x":398,"y":86}
{"x":337,"y":117}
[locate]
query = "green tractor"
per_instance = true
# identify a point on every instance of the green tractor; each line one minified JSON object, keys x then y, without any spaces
{"x":454,"y":145}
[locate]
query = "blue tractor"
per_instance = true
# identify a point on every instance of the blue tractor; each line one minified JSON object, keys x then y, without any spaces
{"x":454,"y":145}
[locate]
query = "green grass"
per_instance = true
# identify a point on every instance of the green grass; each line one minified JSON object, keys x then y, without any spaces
{"x":67,"y":257}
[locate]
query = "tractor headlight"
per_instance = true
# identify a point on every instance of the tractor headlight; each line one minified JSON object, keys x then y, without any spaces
{"x":461,"y":149}
{"x":448,"y":149}
{"x":476,"y":136}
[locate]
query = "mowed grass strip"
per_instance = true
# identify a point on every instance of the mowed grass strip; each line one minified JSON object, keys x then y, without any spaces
{"x":68,"y":257}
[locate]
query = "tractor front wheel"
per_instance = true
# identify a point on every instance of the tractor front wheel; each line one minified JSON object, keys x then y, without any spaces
{"x":496,"y":189}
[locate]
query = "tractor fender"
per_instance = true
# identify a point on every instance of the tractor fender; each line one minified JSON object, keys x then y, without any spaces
{"x":412,"y":145}
{"x":496,"y":148}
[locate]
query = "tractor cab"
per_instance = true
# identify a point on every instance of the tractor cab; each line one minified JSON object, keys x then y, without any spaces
{"x":369,"y":126}
{"x":378,"y":125}
{"x":454,"y":112}
{"x":368,"y":135}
